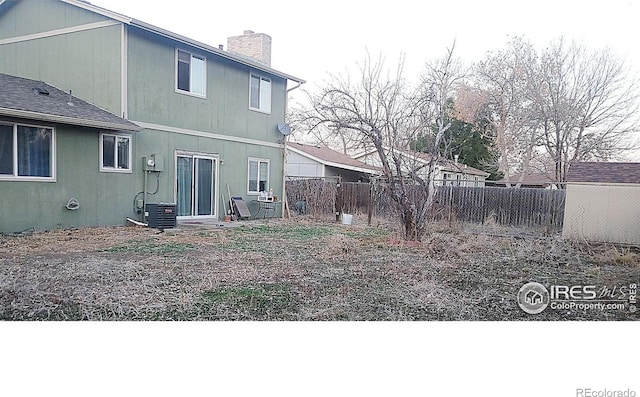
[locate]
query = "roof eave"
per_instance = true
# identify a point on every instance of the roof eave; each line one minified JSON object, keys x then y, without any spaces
{"x":351,"y":168}
{"x":174,"y":36}
{"x":53,"y":118}
{"x":99,"y":10}
{"x":333,"y":164}
{"x":221,"y":53}
{"x":470,"y":171}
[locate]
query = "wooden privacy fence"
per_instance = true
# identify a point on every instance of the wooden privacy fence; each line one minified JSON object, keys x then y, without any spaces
{"x":505,"y":206}
{"x":523,"y":207}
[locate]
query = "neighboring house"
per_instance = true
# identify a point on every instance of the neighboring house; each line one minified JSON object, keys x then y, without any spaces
{"x":602,"y":202}
{"x":311,"y":161}
{"x":538,"y":180}
{"x":447,"y":172}
{"x":209,"y":117}
{"x":60,"y":157}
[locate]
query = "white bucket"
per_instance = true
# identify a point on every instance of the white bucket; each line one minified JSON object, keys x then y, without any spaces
{"x":347,"y":219}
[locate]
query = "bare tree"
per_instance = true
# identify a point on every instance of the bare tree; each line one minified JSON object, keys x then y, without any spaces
{"x":586,"y":104}
{"x":503,"y":78}
{"x":344,"y":141}
{"x":382,"y":110}
{"x":562,"y":105}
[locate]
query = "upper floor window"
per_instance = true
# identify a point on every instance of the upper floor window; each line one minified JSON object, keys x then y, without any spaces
{"x":260,"y":93}
{"x":26,"y":152}
{"x":191,"y":73}
{"x":115,"y":153}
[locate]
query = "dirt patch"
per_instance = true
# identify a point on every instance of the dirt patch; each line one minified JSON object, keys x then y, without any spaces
{"x":296,"y":271}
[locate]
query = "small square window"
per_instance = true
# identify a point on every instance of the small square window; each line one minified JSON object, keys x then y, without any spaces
{"x":115,"y":153}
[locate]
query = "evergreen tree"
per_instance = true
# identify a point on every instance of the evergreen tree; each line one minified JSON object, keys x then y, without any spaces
{"x":471,"y":142}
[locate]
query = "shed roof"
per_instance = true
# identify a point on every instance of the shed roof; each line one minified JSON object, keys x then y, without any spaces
{"x":332,"y":158}
{"x":604,"y":172}
{"x":37,"y":100}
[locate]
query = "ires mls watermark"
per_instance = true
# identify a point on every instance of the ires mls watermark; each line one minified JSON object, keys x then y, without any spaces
{"x":587,"y":392}
{"x":534,"y":298}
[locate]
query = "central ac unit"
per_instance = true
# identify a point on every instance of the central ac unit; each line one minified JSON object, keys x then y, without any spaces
{"x":161,"y":215}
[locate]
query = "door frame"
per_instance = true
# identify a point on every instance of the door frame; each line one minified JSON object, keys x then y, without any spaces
{"x":216,"y":175}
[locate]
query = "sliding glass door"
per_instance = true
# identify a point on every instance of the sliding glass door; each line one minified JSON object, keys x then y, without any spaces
{"x":196,"y":187}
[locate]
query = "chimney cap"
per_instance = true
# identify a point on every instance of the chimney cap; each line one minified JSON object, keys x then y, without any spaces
{"x":248,"y":32}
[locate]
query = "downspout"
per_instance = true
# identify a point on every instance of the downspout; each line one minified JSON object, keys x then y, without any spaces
{"x":284,"y":157}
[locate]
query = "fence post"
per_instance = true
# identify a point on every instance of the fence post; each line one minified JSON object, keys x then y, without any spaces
{"x":339,"y":199}
{"x":370,"y":204}
{"x":549,"y":219}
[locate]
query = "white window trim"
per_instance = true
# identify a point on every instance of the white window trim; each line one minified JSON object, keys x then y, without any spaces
{"x":115,"y":169}
{"x":15,"y":177}
{"x":261,"y":77}
{"x":179,"y":91}
{"x":259,"y":160}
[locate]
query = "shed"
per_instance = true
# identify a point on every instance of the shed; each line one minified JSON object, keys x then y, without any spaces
{"x":602,"y":202}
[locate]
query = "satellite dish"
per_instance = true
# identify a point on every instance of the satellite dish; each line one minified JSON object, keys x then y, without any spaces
{"x":284,"y":128}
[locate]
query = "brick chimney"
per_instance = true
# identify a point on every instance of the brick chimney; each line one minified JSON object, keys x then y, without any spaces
{"x":256,"y":46}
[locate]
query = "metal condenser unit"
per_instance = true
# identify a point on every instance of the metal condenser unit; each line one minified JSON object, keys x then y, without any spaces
{"x":161,"y":215}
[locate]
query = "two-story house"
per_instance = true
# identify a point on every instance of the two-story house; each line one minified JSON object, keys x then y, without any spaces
{"x":208,"y":117}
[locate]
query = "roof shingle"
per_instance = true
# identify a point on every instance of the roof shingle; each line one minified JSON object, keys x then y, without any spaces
{"x":604,"y":172}
{"x":331,"y":157}
{"x":32,"y":99}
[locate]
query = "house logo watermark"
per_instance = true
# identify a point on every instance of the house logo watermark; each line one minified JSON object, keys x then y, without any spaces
{"x":534,"y":298}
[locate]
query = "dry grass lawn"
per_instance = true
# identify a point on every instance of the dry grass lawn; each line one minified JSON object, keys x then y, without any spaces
{"x":292,"y":270}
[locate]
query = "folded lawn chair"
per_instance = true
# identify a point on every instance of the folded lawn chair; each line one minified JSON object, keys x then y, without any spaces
{"x":240,"y":208}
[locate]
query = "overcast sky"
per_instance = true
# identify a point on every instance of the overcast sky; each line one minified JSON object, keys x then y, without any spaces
{"x":313,"y":38}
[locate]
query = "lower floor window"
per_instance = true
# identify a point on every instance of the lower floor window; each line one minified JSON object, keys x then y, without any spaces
{"x":115,"y":152}
{"x":258,"y":176}
{"x":26,"y":151}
